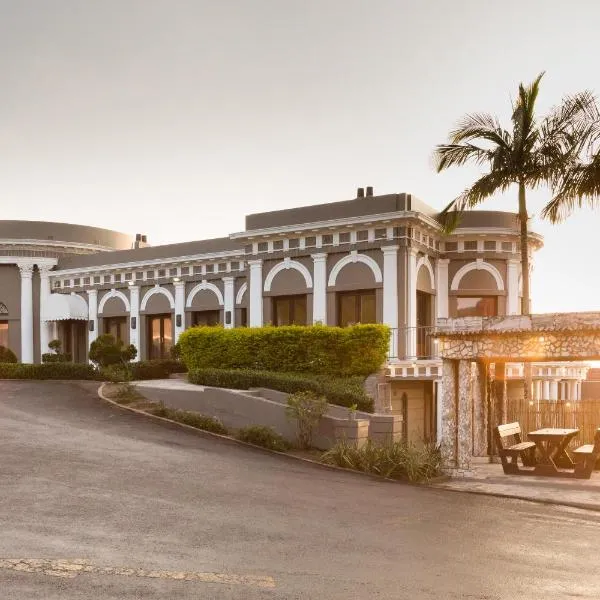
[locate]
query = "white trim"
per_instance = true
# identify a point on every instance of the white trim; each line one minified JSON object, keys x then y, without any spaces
{"x":56,"y":244}
{"x":240,"y":293}
{"x":204,"y":285}
{"x":32,"y":260}
{"x":400,"y":214}
{"x":114,"y":294}
{"x":167,"y":262}
{"x":354,"y":257}
{"x":425,"y":262}
{"x":479,"y":265}
{"x":157,"y":290}
{"x":287,"y":263}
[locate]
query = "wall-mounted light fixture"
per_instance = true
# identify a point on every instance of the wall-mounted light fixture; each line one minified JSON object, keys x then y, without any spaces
{"x":91,"y":325}
{"x":176,"y":279}
{"x":228,"y":317}
{"x":133,"y":322}
{"x":178,"y":320}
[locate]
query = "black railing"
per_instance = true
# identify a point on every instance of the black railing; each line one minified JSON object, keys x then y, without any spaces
{"x":412,"y":343}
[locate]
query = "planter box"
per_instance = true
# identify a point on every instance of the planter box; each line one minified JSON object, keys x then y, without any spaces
{"x":354,"y":431}
{"x":385,"y":429}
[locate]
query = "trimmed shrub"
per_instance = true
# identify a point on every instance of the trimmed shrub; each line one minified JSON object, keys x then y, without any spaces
{"x":7,"y":355}
{"x":56,"y":355}
{"x":155,"y":369}
{"x":396,"y":461}
{"x":49,"y":371}
{"x":341,"y":391}
{"x":190,"y":418}
{"x":105,"y":350}
{"x":335,"y":351}
{"x":263,"y":436}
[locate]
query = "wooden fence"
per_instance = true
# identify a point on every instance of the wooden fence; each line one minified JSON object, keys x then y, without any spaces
{"x":537,"y":414}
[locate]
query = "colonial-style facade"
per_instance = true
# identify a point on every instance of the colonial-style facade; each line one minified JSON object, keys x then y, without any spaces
{"x":370,"y":259}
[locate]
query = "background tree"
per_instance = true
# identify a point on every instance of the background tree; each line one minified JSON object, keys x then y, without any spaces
{"x":530,"y":154}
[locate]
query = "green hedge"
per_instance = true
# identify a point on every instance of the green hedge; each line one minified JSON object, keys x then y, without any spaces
{"x":156,"y":369}
{"x":336,"y":351}
{"x":48,"y":371}
{"x":343,"y":392}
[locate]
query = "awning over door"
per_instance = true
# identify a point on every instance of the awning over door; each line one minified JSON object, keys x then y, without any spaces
{"x":61,"y":307}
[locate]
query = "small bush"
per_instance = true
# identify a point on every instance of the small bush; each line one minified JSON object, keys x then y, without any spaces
{"x":333,"y":351}
{"x":396,"y":461}
{"x":266,"y":437}
{"x":116,"y":373}
{"x":343,"y":392}
{"x":70,"y":371}
{"x":306,"y":408}
{"x":190,"y":418}
{"x":56,"y":355}
{"x":7,"y":355}
{"x":105,"y":350}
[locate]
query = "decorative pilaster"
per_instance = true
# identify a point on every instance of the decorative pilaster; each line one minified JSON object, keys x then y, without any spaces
{"x":229,"y":302}
{"x":411,"y":302}
{"x":465,"y":416}
{"x":512,"y":277}
{"x":390,"y":294}
{"x":255,"y":299}
{"x":134,"y":319}
{"x":441,"y":287}
{"x":26,"y":269}
{"x":45,"y":326}
{"x":92,"y":316}
{"x":179,"y":309}
{"x":320,"y":288}
{"x":480,"y":412}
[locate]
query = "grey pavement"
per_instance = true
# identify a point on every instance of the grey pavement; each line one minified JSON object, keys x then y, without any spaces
{"x":490,"y":479}
{"x":114,"y":505}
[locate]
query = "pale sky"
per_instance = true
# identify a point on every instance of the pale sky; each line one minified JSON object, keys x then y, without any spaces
{"x":175,"y":118}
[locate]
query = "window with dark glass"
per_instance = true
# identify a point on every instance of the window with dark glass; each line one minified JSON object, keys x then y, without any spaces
{"x":115,"y":326}
{"x":205,"y":318}
{"x":243,"y":317}
{"x":476,"y":306}
{"x":289,"y":310}
{"x":356,"y":307}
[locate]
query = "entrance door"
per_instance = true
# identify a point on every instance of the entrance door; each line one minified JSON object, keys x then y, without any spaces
{"x":74,"y":340}
{"x":160,"y":336}
{"x":424,"y":305}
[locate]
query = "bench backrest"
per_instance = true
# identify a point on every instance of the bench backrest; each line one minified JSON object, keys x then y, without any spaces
{"x":508,"y":430}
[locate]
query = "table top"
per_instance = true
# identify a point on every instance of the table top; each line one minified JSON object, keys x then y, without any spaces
{"x":552,"y":432}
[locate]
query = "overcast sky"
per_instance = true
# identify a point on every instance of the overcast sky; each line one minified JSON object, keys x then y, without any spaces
{"x":176,"y":118}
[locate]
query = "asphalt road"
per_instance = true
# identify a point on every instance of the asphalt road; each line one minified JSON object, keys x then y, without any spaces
{"x":113,"y":505}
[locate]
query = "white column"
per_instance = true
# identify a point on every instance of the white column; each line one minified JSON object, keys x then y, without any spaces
{"x":577,"y":390}
{"x":179,"y":309}
{"x":255,"y":299}
{"x":134,"y":319}
{"x":320,"y":288}
{"x":512,"y":284}
{"x":546,"y":389}
{"x":26,"y":269}
{"x":229,"y":302}
{"x":441,"y":287}
{"x":554,"y":389}
{"x":390,"y":294}
{"x":411,"y":301}
{"x":45,"y":326}
{"x":92,"y":316}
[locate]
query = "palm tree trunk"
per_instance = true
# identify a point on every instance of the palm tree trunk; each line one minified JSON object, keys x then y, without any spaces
{"x":523,"y":218}
{"x":525,"y":303}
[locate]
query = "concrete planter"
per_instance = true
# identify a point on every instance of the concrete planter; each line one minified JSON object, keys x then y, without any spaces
{"x":354,"y":431}
{"x":385,"y":429}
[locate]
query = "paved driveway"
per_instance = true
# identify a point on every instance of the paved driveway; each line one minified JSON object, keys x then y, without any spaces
{"x":116,"y":506}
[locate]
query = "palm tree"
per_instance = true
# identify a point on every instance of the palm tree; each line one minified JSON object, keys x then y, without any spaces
{"x":580,"y":185}
{"x":531,"y":154}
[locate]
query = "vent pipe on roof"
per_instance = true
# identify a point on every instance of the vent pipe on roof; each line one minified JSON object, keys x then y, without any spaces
{"x":360,"y":193}
{"x":370,"y":190}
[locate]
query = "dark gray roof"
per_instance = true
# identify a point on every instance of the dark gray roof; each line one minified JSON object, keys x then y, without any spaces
{"x":370,"y":205}
{"x":166,"y":251}
{"x":489,"y":218}
{"x":64,"y":232}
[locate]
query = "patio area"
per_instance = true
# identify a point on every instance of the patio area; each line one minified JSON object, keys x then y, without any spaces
{"x":488,"y":478}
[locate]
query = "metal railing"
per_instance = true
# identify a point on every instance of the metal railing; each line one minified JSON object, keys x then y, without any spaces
{"x":415,"y":343}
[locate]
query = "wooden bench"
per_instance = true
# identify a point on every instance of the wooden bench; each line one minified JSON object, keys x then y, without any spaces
{"x":586,"y":456}
{"x":509,"y":455}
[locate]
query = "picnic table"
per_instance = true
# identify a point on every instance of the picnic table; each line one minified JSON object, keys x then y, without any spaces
{"x":552,"y":446}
